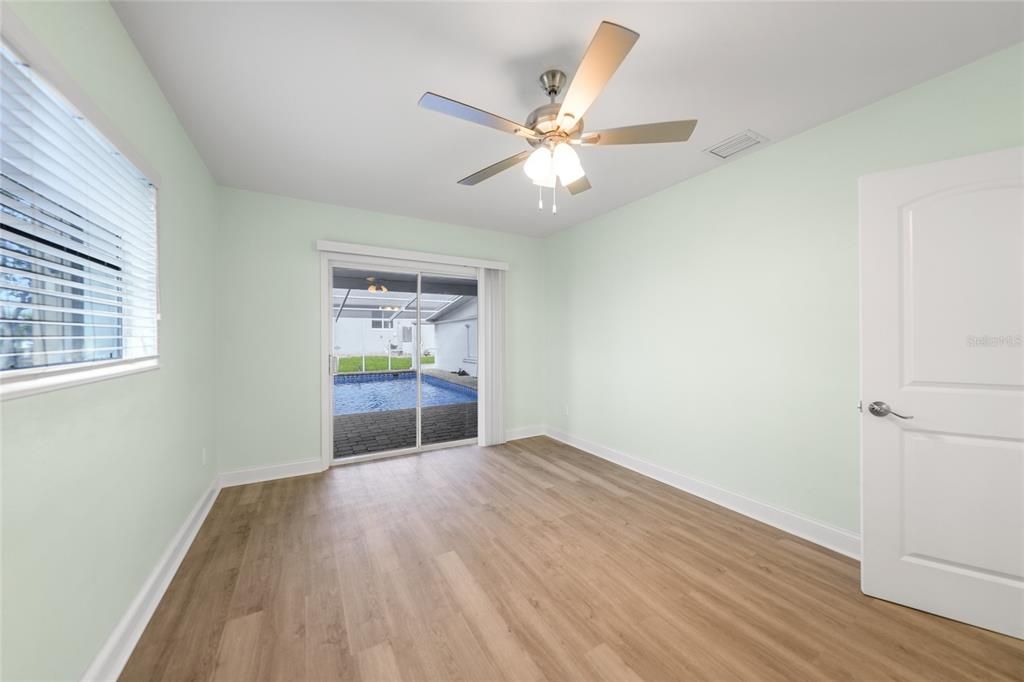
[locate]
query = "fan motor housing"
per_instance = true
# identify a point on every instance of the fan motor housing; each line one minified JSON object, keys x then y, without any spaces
{"x":543,"y":120}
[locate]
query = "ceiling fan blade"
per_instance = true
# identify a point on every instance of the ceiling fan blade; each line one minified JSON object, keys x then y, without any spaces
{"x":450,"y":107}
{"x":495,"y":168}
{"x":648,"y":133}
{"x":581,"y":185}
{"x":610,"y":45}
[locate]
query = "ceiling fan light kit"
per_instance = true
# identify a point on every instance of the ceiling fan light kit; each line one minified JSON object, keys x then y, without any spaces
{"x":567,"y":163}
{"x":540,"y":168}
{"x":553,"y":129}
{"x":544,"y":164}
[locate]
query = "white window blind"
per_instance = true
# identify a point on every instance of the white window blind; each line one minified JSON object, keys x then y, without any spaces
{"x":78,"y":242}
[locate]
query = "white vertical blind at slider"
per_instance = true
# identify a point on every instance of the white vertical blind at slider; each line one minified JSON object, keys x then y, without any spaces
{"x":78,"y":242}
{"x":491,"y":418}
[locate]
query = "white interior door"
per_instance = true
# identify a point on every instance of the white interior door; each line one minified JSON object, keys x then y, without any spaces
{"x":942,"y":318}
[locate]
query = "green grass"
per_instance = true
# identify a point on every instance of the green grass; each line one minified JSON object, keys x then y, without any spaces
{"x":379,"y":363}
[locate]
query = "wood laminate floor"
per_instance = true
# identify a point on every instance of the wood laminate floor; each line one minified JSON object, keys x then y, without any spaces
{"x":529,"y":561}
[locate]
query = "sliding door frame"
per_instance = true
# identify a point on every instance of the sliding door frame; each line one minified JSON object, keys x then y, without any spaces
{"x":338,"y":255}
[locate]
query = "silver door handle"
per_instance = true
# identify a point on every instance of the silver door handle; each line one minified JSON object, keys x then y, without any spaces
{"x":880,"y":409}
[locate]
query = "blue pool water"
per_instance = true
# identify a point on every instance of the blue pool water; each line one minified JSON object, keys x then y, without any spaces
{"x":355,"y":393}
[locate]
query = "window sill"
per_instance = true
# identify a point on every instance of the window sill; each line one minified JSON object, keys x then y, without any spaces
{"x":19,"y":387}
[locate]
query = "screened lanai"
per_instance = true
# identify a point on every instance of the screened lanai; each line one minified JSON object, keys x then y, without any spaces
{"x":375,"y":316}
{"x":390,"y":297}
{"x":396,"y":352}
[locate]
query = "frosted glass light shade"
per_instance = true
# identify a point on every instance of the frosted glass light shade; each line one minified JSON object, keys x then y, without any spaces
{"x":538,"y":166}
{"x":567,"y":163}
{"x":546,"y":181}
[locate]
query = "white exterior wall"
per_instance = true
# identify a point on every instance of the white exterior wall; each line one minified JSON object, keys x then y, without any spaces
{"x":354,"y":336}
{"x":457,"y":340}
{"x":452,"y":342}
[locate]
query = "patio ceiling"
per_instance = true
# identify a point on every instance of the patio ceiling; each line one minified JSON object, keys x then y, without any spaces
{"x":345,"y":278}
{"x":392,"y":305}
{"x":352,"y":299}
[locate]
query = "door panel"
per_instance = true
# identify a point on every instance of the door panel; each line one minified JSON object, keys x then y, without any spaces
{"x":448,"y":326}
{"x":942,"y":318}
{"x":963,"y":286}
{"x":374,"y":378}
{"x":942,"y":514}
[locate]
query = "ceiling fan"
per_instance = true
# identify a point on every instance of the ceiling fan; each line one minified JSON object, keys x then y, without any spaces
{"x":552,"y":130}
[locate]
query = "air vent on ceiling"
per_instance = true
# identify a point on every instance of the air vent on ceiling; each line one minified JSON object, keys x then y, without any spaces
{"x":736,"y":144}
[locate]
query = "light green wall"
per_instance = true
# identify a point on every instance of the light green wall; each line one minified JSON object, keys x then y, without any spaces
{"x":97,"y":479}
{"x":712,"y":328}
{"x":268,"y":317}
{"x":741,"y":283}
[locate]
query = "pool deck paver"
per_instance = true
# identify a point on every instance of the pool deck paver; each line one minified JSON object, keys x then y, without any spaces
{"x":446,"y":375}
{"x":366,"y":432}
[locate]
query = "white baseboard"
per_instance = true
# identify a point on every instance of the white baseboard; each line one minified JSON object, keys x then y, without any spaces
{"x":830,"y":537}
{"x":270,"y":473}
{"x":112,"y":657}
{"x":524,"y":432}
{"x":119,"y":645}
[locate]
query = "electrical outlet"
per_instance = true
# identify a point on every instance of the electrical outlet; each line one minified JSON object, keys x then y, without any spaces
{"x":204,"y":456}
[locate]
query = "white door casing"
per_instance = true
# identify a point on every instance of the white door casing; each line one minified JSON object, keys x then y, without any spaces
{"x":942,"y":318}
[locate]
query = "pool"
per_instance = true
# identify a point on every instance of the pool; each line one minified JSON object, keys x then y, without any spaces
{"x":379,"y":392}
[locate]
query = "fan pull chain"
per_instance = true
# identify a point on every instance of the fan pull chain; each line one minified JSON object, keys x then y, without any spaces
{"x":554,"y":199}
{"x":540,"y":198}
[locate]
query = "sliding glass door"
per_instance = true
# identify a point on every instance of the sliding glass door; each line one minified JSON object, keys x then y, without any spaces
{"x":403,"y":360}
{"x":374,"y":391}
{"x":448,"y":320}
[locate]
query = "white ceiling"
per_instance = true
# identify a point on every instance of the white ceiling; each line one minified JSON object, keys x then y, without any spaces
{"x":318,"y":100}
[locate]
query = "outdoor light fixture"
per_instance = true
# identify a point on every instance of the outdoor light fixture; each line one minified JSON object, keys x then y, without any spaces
{"x":374,"y":287}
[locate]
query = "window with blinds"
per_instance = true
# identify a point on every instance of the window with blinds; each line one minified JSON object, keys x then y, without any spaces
{"x":78,"y":241}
